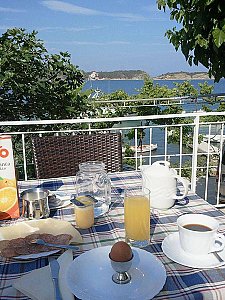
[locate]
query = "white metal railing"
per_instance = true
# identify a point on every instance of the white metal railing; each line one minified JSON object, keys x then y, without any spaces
{"x":154,"y":134}
{"x":166,"y":101}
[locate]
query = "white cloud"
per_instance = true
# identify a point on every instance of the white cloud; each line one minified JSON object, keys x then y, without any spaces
{"x":118,"y":43}
{"x":56,"y":28}
{"x":72,"y":29}
{"x":11,"y":10}
{"x":74,"y":9}
{"x":69,"y":8}
{"x":91,"y":43}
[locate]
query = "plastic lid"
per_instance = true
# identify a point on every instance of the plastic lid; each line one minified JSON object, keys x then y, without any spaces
{"x":84,"y":200}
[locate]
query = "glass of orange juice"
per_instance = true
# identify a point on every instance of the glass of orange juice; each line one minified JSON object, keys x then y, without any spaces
{"x":137,"y":216}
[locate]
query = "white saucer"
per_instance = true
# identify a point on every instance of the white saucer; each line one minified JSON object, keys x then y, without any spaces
{"x":62,"y":200}
{"x":61,"y":205}
{"x":172,"y":249}
{"x":89,"y":277}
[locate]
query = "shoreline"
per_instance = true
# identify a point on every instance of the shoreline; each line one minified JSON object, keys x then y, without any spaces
{"x":142,"y":75}
{"x":154,"y":78}
{"x":183,"y":78}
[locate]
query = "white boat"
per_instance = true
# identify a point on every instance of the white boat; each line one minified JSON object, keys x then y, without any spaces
{"x":96,"y":94}
{"x":143,"y":148}
{"x":203,"y":148}
{"x":213,"y":137}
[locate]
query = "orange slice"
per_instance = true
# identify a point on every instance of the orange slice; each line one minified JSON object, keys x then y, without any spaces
{"x":4,"y":182}
{"x":8,"y":198}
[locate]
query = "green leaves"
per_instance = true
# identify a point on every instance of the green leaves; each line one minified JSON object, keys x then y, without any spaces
{"x":201,"y":37}
{"x":218,"y":36}
{"x":202,"y":42}
{"x":161,"y":4}
{"x":37,"y":84}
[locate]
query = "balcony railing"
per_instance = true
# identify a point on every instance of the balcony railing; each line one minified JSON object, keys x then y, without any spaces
{"x":200,"y":161}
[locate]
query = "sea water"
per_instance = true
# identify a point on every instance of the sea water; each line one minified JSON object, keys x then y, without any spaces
{"x":132,"y":87}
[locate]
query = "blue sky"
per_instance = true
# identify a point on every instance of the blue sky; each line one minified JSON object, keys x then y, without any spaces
{"x":100,"y":35}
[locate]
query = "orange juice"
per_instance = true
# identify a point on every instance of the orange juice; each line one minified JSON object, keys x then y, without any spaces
{"x":84,"y":214}
{"x":137,"y":217}
{"x":9,"y":206}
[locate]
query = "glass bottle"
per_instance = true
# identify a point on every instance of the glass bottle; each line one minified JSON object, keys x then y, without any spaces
{"x":92,"y":180}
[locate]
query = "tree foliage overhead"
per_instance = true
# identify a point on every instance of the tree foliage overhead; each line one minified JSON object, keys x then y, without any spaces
{"x":35,"y":84}
{"x":202,"y":35}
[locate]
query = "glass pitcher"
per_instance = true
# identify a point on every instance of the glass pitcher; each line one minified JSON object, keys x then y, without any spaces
{"x":92,"y":180}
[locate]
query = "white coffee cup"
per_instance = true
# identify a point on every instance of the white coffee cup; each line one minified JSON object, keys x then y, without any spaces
{"x":198,"y":234}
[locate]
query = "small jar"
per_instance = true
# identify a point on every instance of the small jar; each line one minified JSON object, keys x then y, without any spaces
{"x":84,"y":214}
{"x":92,"y":180}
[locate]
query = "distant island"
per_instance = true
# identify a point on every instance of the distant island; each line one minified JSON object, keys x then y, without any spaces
{"x":183,"y":76}
{"x":141,"y":75}
{"x":116,"y":75}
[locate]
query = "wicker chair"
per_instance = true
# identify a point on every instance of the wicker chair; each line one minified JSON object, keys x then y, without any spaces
{"x":58,"y":156}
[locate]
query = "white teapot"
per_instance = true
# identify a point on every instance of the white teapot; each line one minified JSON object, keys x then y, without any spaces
{"x":161,"y":180}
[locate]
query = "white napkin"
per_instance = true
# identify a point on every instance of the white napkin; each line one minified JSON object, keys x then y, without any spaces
{"x":38,"y":284}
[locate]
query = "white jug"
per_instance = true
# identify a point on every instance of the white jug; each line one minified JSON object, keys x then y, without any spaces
{"x":161,"y":180}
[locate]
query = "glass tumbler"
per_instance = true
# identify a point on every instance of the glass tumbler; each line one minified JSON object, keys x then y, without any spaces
{"x":92,"y":180}
{"x":137,"y":216}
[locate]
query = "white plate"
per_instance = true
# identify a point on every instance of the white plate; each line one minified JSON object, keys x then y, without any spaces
{"x":89,"y":277}
{"x":171,"y":247}
{"x":50,"y":225}
{"x":36,"y":255}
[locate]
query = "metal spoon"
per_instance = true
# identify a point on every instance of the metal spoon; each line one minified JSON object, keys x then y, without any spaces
{"x":218,"y":257}
{"x":42,"y":242}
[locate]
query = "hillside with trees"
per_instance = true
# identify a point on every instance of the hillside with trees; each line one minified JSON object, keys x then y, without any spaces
{"x":120,"y":74}
{"x":183,"y":76}
{"x":142,"y":75}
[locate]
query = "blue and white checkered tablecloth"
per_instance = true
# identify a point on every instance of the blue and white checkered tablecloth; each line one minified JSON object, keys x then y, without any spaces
{"x":181,"y":283}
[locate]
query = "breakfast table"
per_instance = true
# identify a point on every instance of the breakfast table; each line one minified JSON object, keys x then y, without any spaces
{"x":182,"y":281}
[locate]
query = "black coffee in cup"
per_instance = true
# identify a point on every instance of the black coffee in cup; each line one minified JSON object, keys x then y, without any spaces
{"x":198,"y":234}
{"x":197,"y":227}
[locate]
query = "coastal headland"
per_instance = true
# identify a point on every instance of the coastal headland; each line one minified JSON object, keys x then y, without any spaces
{"x":183,"y":76}
{"x":141,"y":75}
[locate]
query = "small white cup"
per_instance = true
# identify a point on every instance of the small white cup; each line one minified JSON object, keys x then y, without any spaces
{"x":198,"y":242}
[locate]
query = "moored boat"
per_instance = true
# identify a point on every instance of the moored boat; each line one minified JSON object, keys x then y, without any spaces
{"x":143,"y":148}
